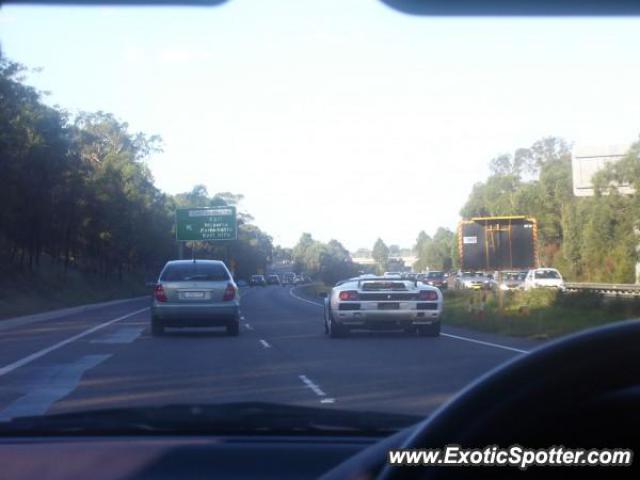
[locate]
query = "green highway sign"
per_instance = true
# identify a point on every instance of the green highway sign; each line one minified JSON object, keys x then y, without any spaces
{"x":206,"y":224}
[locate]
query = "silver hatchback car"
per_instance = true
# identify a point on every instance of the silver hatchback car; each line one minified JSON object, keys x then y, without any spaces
{"x":195,"y":293}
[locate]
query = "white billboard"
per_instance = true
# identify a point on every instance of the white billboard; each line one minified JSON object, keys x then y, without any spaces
{"x":587,"y":160}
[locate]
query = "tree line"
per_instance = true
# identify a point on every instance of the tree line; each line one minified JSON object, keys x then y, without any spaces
{"x":587,"y":238}
{"x":77,"y":190}
{"x":328,"y":262}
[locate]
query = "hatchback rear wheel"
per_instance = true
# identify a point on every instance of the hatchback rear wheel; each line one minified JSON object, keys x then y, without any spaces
{"x":233,"y":329}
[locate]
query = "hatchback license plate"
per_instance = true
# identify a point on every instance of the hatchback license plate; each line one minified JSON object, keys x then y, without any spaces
{"x":388,"y":306}
{"x":193,"y":295}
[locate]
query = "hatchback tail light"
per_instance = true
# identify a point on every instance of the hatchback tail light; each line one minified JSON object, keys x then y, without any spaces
{"x":348,"y":295}
{"x":428,"y":295}
{"x":159,"y":294}
{"x":229,"y":293}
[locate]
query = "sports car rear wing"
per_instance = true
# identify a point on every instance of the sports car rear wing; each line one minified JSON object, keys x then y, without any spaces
{"x":385,"y":283}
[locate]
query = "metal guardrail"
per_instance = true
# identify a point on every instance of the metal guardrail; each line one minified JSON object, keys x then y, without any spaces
{"x":626,"y":289}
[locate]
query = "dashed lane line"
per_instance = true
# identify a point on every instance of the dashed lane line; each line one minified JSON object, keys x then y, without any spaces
{"x":315,"y":388}
{"x":122,"y":335}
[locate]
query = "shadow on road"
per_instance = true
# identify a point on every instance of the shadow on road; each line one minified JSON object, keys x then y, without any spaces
{"x":194,"y":333}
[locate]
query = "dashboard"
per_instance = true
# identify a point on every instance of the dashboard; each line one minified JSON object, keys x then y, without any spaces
{"x":170,"y":457}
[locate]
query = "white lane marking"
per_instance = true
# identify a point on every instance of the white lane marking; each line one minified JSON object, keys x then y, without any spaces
{"x":122,"y":335}
{"x":265,"y":344}
{"x":489,"y":344}
{"x":242,"y":318}
{"x":34,"y":356}
{"x":328,"y":400}
{"x":248,"y":327}
{"x":303,"y":299}
{"x":314,"y":388}
{"x":49,"y":385}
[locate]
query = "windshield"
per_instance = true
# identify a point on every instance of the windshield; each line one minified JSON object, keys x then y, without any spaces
{"x":185,"y":272}
{"x":547,"y":274}
{"x":473,"y":274}
{"x":514,"y":276}
{"x":289,"y":143}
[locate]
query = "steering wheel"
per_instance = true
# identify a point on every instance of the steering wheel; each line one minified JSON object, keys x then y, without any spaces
{"x":580,"y":392}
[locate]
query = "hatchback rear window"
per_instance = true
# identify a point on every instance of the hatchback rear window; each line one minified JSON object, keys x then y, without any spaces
{"x":185,"y":272}
{"x":547,"y":274}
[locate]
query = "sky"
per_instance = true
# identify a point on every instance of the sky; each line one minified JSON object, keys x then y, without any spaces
{"x":346,"y":120}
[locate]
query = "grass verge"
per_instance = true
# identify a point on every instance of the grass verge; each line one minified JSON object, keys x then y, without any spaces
{"x":313,"y":290}
{"x":537,"y":313}
{"x":48,"y":288}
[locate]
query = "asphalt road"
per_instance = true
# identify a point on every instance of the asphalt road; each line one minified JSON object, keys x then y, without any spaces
{"x":107,"y":358}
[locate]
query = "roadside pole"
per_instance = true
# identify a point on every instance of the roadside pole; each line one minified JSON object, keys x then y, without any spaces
{"x":180,"y":250}
{"x":636,"y":231}
{"x":500,"y":293}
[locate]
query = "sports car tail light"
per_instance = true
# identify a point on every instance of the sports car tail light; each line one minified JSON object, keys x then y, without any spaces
{"x":159,"y":294}
{"x":229,"y":293}
{"x":428,"y":295}
{"x":348,"y":295}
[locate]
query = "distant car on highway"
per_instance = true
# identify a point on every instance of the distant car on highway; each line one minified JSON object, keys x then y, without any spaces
{"x":195,"y":293}
{"x":474,"y":281}
{"x":544,"y":278}
{"x":382,"y":303}
{"x":512,"y":281}
{"x":393,"y":274}
{"x":257,"y":281}
{"x":288,"y":278}
{"x":273,"y":279}
{"x":437,"y":278}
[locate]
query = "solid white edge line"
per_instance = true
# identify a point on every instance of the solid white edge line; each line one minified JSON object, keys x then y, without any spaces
{"x":481,"y":342}
{"x":265,"y":344}
{"x":314,"y":388}
{"x":303,"y":299}
{"x":34,"y":356}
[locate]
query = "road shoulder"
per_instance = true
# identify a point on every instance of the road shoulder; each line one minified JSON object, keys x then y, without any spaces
{"x":21,"y":321}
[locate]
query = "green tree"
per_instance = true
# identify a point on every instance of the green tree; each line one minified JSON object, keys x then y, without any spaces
{"x":79,"y":191}
{"x":380,"y":254}
{"x":586,"y":238}
{"x":328,"y":262}
{"x":435,"y":253}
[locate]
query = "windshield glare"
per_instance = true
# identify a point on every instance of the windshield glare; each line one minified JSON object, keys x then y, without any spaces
{"x":282,"y":150}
